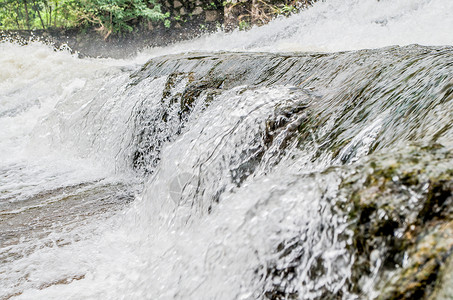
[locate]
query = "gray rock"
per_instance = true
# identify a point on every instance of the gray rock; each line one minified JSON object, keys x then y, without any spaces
{"x":211,"y":16}
{"x":177,"y":4}
{"x":197,"y":11}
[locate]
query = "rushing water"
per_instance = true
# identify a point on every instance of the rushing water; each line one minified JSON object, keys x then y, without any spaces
{"x":216,"y":175}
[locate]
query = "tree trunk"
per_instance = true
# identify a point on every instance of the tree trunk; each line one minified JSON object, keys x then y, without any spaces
{"x":46,"y":6}
{"x":27,"y":20}
{"x":17,"y":22}
{"x":50,"y":16}
{"x":39,"y":14}
{"x":55,"y":15}
{"x":18,"y":17}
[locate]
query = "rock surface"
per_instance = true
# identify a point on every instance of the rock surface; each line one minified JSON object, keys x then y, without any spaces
{"x":396,"y":201}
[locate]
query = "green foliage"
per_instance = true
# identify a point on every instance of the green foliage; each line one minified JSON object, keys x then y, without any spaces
{"x":167,"y":23}
{"x":6,"y":21}
{"x":286,"y":10}
{"x":108,"y":16}
{"x":37,"y":14}
{"x":211,"y":5}
{"x":243,"y":25}
{"x":118,"y":15}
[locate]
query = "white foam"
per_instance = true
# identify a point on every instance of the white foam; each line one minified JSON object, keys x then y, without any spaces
{"x":214,"y":256}
{"x":336,"y":25}
{"x":35,"y":84}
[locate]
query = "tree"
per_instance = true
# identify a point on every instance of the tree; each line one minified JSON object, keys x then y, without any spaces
{"x":107,"y":16}
{"x":117,"y":16}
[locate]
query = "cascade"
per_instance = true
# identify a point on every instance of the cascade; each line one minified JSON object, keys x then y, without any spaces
{"x":306,"y":159}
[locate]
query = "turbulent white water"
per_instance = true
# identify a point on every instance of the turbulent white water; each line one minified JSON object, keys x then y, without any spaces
{"x":210,"y":207}
{"x":337,"y":25}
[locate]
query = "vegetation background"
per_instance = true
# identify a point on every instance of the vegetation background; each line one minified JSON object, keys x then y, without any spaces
{"x":119,"y":17}
{"x":120,"y":28}
{"x":107,"y":16}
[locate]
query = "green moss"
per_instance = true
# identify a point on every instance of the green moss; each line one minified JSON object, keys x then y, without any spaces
{"x":418,"y":280}
{"x":436,"y":204}
{"x":384,"y":215}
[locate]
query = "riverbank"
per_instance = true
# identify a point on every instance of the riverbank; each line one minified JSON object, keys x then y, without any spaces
{"x":90,"y":44}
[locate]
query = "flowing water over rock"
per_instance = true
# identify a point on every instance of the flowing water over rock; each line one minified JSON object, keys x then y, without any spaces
{"x":228,"y":175}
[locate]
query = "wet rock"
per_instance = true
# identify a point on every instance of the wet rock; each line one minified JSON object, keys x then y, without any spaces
{"x":425,"y":258}
{"x":211,"y":16}
{"x":197,"y":11}
{"x":397,"y":202}
{"x":399,"y":231}
{"x":157,"y":125}
{"x":444,"y":287}
{"x":402,"y":220}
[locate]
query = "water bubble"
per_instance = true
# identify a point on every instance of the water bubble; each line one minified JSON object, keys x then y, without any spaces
{"x":181,"y":186}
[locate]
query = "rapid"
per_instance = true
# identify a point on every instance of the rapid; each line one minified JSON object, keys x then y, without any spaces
{"x":234,"y":166}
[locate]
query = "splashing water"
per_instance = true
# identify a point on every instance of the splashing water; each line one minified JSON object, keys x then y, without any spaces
{"x":336,"y":25}
{"x":220,"y":175}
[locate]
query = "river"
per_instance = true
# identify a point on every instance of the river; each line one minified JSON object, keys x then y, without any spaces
{"x":298,"y":160}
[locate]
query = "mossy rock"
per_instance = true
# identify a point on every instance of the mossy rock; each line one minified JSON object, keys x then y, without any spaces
{"x":401,"y":217}
{"x":426,"y":257}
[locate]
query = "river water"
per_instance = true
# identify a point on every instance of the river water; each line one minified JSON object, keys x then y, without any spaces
{"x":212,"y":170}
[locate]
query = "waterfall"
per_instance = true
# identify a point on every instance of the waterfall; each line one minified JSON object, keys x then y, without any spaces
{"x":306,"y":159}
